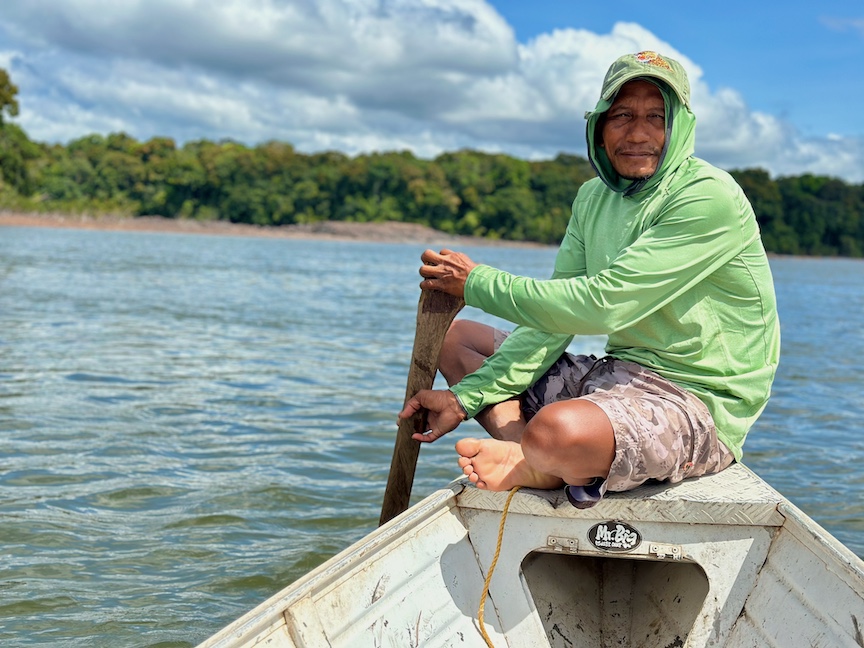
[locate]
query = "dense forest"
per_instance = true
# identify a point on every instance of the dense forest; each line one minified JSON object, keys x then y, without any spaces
{"x":464,"y":192}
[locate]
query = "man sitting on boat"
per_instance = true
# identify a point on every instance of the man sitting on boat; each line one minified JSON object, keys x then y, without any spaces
{"x":663,"y":255}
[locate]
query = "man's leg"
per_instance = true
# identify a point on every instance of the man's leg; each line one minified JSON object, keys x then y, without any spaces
{"x":466,"y":346}
{"x":566,"y":442}
{"x":662,"y":432}
{"x":570,"y":442}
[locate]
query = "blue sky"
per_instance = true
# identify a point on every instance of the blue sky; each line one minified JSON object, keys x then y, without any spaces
{"x":798,"y":60}
{"x":777,"y":87}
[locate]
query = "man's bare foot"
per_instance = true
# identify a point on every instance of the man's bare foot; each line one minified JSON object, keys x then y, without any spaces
{"x":500,"y":465}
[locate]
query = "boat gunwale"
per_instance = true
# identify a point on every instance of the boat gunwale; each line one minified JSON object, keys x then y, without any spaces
{"x":260,"y":619}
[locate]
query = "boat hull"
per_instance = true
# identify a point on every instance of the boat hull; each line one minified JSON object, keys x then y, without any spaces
{"x":723,"y":560}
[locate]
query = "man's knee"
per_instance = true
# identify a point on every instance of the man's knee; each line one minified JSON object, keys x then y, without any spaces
{"x":546,"y":432}
{"x":466,"y":345}
{"x":449,"y":362}
{"x":571,"y":439}
{"x":457,"y":334}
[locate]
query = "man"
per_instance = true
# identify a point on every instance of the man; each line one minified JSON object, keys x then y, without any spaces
{"x":663,"y":255}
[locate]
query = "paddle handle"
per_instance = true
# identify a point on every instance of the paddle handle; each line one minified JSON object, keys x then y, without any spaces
{"x":435,"y":312}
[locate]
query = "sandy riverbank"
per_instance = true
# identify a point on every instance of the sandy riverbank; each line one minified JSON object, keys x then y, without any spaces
{"x":390,"y":232}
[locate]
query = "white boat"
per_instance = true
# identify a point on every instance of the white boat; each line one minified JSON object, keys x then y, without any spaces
{"x":723,"y":560}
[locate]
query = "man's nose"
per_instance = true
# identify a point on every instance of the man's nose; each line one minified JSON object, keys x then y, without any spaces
{"x":639,"y":130}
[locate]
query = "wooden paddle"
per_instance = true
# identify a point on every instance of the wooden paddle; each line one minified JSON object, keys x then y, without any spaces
{"x":435,"y":312}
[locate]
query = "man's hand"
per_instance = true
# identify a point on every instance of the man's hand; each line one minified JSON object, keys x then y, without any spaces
{"x":444,"y":412}
{"x":446,"y":271}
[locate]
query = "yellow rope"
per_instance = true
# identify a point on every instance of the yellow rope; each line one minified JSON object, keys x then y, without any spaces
{"x":485,"y":593}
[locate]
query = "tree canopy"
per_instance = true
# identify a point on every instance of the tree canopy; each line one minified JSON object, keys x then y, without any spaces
{"x":8,"y":92}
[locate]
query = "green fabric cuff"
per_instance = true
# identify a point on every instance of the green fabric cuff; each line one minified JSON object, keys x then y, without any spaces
{"x":470,"y":400}
{"x":477,"y":285}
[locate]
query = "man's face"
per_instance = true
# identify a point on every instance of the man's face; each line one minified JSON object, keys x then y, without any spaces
{"x":634,"y":130}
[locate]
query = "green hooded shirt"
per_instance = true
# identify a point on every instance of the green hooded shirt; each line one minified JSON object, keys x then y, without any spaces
{"x":671,"y":269}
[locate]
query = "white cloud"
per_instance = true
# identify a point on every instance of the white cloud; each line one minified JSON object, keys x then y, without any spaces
{"x":844,"y":24}
{"x":7,"y":58}
{"x":354,"y":75}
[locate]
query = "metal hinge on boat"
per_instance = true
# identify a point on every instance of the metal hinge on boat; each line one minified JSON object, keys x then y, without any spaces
{"x":557,"y":543}
{"x":664,"y":550}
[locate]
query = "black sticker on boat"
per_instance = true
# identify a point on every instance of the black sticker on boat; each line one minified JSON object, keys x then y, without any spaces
{"x":614,"y":536}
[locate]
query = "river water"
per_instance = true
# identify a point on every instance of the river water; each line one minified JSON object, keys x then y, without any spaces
{"x":189,"y":422}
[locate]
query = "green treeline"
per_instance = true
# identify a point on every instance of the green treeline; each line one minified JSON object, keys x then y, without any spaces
{"x":465,"y":192}
{"x":272,"y":184}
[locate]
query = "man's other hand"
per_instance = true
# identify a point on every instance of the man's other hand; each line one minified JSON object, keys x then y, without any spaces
{"x":444,"y":412}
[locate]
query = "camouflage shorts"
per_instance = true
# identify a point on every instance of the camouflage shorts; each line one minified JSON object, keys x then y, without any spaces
{"x":662,"y":431}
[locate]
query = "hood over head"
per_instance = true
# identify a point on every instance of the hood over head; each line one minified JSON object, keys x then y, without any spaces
{"x":668,"y":75}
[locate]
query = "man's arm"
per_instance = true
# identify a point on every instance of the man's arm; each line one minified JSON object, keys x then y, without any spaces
{"x":520,"y":361}
{"x":696,"y":234}
{"x":527,"y":353}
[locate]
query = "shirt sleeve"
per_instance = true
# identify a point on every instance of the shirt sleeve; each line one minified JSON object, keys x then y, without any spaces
{"x":527,"y":353}
{"x":695,"y":235}
{"x":517,"y":364}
